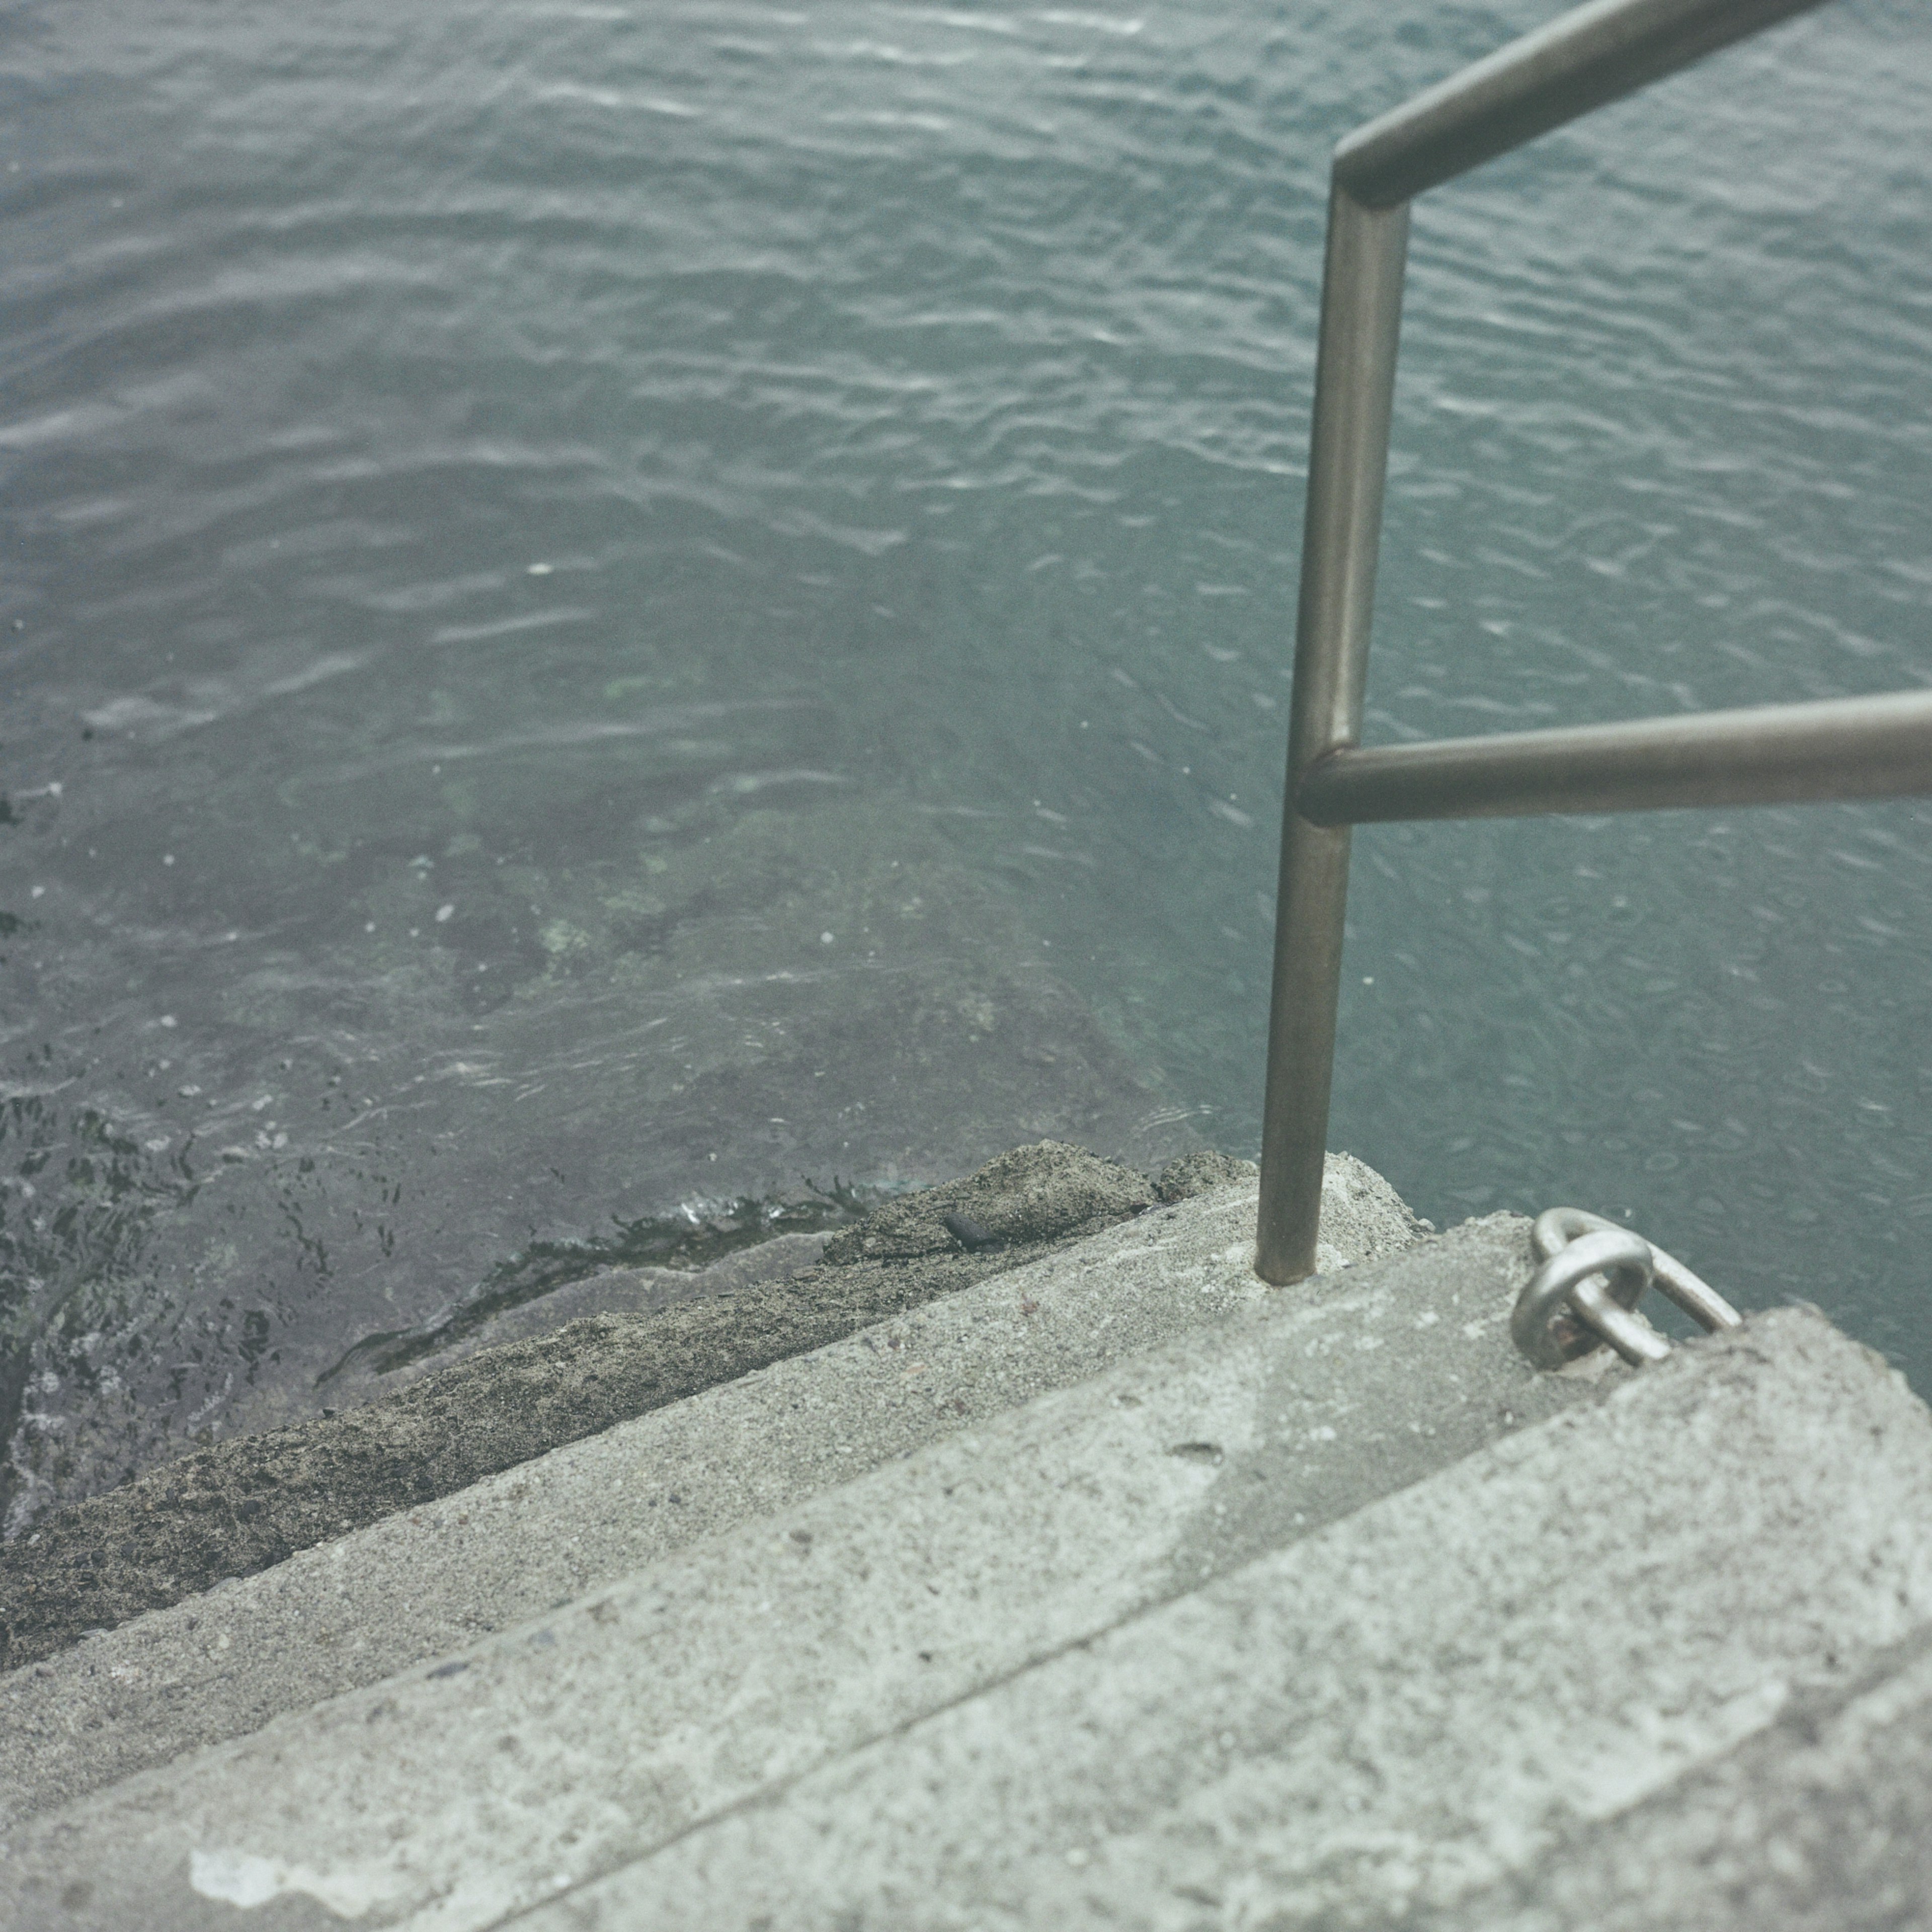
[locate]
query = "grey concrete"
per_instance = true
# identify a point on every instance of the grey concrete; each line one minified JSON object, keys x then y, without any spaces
{"x":429,"y":1581}
{"x":1393,"y":1718}
{"x":1823,"y":1823}
{"x":619,"y":1725}
{"x":247,"y":1504}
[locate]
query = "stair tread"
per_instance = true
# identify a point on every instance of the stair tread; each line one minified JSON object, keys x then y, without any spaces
{"x":763,"y":1652}
{"x":418,"y":1585}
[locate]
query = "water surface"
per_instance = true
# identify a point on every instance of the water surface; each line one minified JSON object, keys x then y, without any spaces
{"x":611,"y":610}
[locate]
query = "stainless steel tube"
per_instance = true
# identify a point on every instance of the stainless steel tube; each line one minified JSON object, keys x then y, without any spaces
{"x":1583,"y":58}
{"x":1865,"y":748}
{"x":1347,"y":461}
{"x":1769,"y":754}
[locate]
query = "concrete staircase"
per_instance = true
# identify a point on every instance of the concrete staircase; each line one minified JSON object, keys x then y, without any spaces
{"x":1114,"y":1589}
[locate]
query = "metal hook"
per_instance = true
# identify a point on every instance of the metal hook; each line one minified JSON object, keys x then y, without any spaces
{"x":1593,"y":1274}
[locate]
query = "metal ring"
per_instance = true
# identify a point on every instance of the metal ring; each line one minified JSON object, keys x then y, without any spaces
{"x":1556,"y":1291}
{"x":1624,"y":1328}
{"x":1697,"y":1298}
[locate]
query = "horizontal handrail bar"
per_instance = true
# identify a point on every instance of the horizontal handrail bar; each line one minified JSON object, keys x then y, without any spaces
{"x":1584,"y":58}
{"x":1838,"y":748}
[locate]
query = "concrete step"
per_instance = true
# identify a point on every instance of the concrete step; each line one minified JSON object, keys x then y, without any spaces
{"x":421,"y":1584}
{"x":242,"y":1503}
{"x":1653,"y":1628}
{"x":1820,"y":1823}
{"x":577,"y":1749}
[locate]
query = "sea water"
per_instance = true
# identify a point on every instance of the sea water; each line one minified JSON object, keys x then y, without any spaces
{"x":624,"y":623}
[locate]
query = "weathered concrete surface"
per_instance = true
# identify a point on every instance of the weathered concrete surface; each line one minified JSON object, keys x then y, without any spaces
{"x":1395,"y":1716}
{"x":456,"y":1794}
{"x":423,"y":1583}
{"x":1823,"y":1823}
{"x":616,"y":1290}
{"x":1017,"y":1200}
{"x":236,"y":1509}
{"x":1202,"y":1171}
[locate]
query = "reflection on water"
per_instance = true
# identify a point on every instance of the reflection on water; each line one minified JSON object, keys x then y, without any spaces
{"x":618,"y":610}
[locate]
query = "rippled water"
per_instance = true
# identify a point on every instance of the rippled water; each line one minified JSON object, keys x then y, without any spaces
{"x":614,"y":608}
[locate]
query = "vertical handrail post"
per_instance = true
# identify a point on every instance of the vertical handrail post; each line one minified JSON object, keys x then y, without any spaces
{"x":1596,"y":53}
{"x":1348,"y":463}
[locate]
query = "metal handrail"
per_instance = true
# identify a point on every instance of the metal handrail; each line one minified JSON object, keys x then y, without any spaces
{"x":1853,"y":748}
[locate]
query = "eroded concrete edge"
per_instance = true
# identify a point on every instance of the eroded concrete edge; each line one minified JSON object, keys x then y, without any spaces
{"x":756,"y":1653}
{"x":427,"y":1581}
{"x":239,"y":1507}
